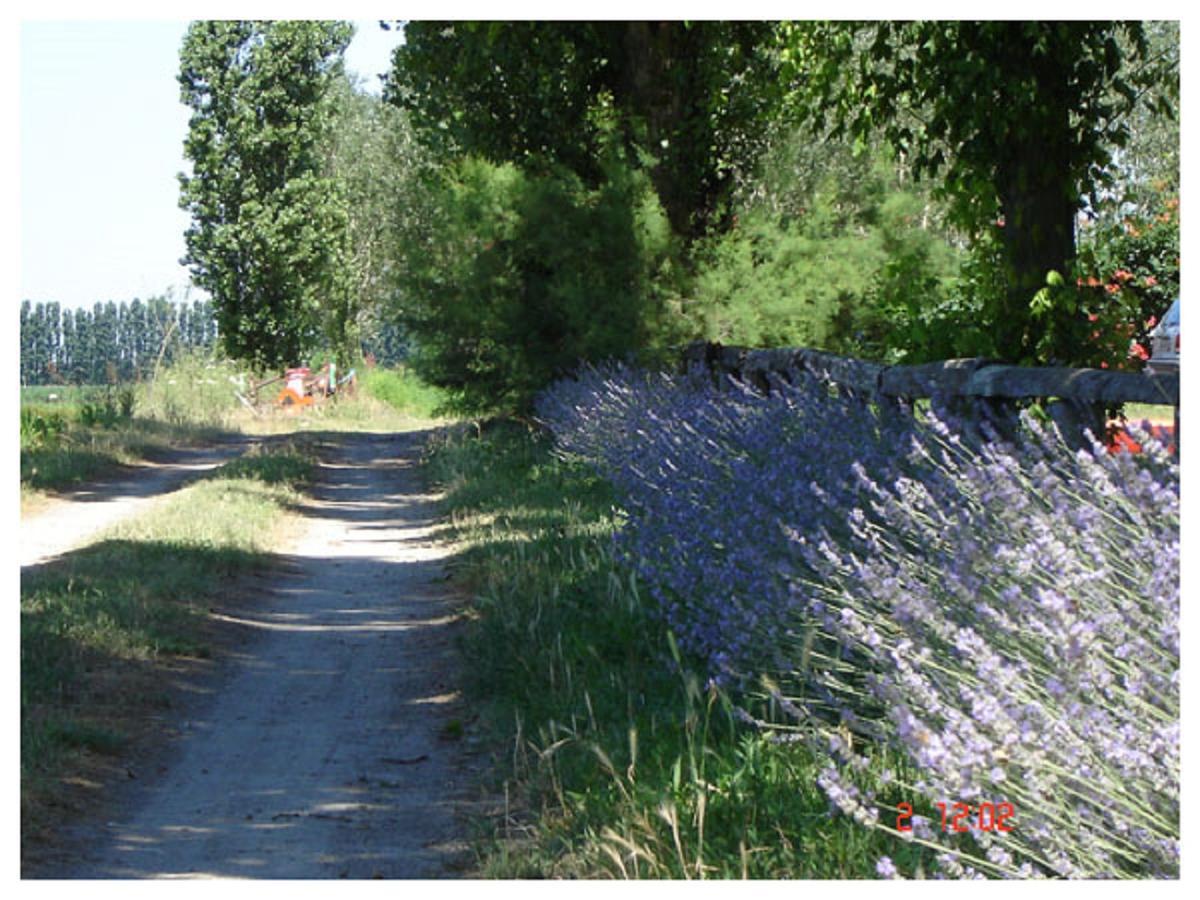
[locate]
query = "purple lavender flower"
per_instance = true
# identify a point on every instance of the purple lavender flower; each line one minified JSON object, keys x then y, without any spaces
{"x":1005,"y":612}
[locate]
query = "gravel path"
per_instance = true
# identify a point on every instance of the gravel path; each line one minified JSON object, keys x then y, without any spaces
{"x":73,"y":516}
{"x":325,"y":753}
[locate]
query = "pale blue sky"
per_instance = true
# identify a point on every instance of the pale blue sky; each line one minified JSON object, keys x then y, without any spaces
{"x":101,"y":140}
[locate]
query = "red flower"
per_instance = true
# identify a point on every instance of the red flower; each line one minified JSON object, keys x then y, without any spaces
{"x":1112,"y":288}
{"x":1122,"y":442}
{"x":1137,"y":351}
{"x":1151,"y":281}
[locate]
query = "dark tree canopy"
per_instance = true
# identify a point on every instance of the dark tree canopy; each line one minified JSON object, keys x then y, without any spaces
{"x":688,"y":98}
{"x":1019,"y":117}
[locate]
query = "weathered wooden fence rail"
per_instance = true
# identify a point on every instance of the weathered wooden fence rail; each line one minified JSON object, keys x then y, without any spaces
{"x":1078,"y":395}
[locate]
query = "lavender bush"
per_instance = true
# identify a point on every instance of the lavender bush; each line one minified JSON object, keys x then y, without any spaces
{"x":708,"y":477}
{"x":1006,"y":615}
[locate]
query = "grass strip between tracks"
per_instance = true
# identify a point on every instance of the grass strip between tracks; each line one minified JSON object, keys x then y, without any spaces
{"x":102,"y":627}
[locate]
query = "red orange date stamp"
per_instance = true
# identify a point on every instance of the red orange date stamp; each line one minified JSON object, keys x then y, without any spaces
{"x":962,"y":817}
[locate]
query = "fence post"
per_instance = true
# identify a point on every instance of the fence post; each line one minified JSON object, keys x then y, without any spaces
{"x":1073,"y":419}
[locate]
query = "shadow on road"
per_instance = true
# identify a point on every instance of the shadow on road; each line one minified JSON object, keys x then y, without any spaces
{"x":323,"y":746}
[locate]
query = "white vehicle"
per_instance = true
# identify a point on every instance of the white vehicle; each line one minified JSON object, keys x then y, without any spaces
{"x":1164,"y":342}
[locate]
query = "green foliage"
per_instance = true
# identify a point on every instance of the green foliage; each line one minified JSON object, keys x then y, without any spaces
{"x":688,"y":99}
{"x":402,"y":390}
{"x":195,"y":390}
{"x":112,"y":342}
{"x":770,"y":285}
{"x":524,"y":276}
{"x":1021,"y":117}
{"x":1147,"y":165}
{"x":834,"y":250}
{"x":41,"y":426}
{"x":268,"y":238}
{"x":1126,"y":276}
{"x":922,"y":311}
{"x":379,"y":169}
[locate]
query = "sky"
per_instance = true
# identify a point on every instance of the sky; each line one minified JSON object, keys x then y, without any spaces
{"x":101,"y":144}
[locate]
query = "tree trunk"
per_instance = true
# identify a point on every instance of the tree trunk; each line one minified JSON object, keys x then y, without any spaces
{"x":1038,"y":192}
{"x":663,"y":87}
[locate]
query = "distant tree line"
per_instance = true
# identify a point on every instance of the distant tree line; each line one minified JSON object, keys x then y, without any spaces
{"x":111,"y":342}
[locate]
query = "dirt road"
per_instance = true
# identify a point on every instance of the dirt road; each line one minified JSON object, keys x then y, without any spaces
{"x":70,"y":518}
{"x":326,"y":749}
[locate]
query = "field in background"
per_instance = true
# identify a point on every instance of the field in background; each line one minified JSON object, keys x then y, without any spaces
{"x":71,"y":434}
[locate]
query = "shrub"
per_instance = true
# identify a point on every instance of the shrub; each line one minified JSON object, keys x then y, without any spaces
{"x":526,"y":275}
{"x":1005,"y":615}
{"x":402,"y":390}
{"x":196,"y":389}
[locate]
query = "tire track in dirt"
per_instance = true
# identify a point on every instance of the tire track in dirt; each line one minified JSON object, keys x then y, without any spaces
{"x":72,"y":517}
{"x":323,"y":754}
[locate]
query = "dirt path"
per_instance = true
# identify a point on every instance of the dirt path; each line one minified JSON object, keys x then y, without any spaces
{"x":71,"y":517}
{"x":327,"y":751}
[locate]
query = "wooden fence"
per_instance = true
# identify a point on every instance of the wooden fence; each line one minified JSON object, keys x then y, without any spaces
{"x":1078,"y":396}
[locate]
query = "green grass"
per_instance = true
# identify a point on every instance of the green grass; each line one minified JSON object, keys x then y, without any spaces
{"x":402,"y":390}
{"x":87,"y":431}
{"x":96,"y":626}
{"x":1136,"y":412}
{"x":58,"y":449}
{"x":615,"y":759}
{"x":90,"y":430}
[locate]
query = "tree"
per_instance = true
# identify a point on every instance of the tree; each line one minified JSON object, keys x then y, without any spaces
{"x":81,"y":370}
{"x":105,"y":347}
{"x":66,"y":355}
{"x":1020,"y":118}
{"x":268,"y":235}
{"x":524,"y":276}
{"x":27,"y":343}
{"x":1146,"y":168}
{"x":689,"y":99}
{"x":375,"y":159}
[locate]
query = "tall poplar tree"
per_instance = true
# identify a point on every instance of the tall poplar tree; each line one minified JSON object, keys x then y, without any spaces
{"x":268,"y":238}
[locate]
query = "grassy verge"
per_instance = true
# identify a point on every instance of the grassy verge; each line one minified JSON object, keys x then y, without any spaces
{"x":85,"y":432}
{"x":402,"y":390}
{"x":74,"y":434}
{"x":100,"y":628}
{"x":68,"y":451}
{"x":616,"y":760}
